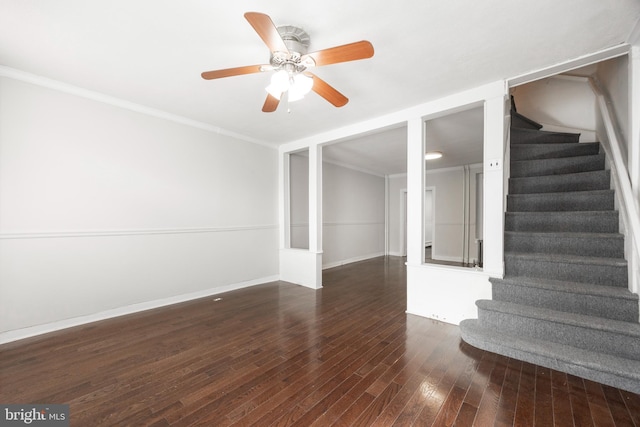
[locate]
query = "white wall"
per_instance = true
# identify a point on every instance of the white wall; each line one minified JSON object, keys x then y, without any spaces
{"x":449,"y":233}
{"x":396,"y":198}
{"x":564,"y":102}
{"x":299,"y":200}
{"x":105,"y":211}
{"x":354,"y":215}
{"x":449,"y":213}
{"x":613,"y":76}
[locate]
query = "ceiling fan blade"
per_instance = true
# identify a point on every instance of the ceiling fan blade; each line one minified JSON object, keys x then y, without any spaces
{"x":348,"y":52}
{"x":267,"y":31}
{"x":328,"y":92}
{"x":229,"y":72}
{"x":270,"y":104}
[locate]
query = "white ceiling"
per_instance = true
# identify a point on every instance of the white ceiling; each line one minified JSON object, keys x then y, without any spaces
{"x":152,"y":52}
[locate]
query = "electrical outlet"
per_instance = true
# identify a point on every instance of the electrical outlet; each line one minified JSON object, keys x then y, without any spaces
{"x":494,"y":164}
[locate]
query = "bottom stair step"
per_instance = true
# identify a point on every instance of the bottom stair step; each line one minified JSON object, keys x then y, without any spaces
{"x":604,"y":368}
{"x":592,"y":333}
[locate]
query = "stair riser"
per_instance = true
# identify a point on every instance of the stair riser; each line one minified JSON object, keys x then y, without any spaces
{"x":578,"y":222}
{"x":591,"y":305}
{"x":554,"y":202}
{"x":532,"y":137}
{"x":552,"y":151}
{"x":559,"y":244}
{"x":588,"y":181}
{"x":597,"y":274}
{"x":578,"y":336}
{"x":525,"y":168}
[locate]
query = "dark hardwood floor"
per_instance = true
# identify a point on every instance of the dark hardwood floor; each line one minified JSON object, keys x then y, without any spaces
{"x":279,"y":354}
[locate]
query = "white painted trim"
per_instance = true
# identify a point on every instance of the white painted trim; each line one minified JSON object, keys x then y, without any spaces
{"x":633,"y":133}
{"x":415,"y":190}
{"x":634,"y":35}
{"x":629,"y":204}
{"x":434,"y":199}
{"x":572,"y":64}
{"x":352,"y":223}
{"x":45,"y":82}
{"x":386,"y":214}
{"x":352,"y":260}
{"x":32,"y":331}
{"x":403,"y":222}
{"x":453,"y":168}
{"x":443,"y":106}
{"x":133,"y":232}
{"x":398,"y":175}
{"x":354,"y":168}
{"x":315,"y":199}
{"x":448,"y":259}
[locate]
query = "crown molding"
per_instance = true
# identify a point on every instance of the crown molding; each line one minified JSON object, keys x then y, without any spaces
{"x":48,"y":83}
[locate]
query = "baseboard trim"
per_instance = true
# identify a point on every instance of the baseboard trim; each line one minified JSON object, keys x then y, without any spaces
{"x":32,"y":331}
{"x":350,"y":260}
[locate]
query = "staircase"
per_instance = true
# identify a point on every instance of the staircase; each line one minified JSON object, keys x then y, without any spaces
{"x":564,"y":302}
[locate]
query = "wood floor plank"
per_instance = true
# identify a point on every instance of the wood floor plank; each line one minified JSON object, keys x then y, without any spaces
{"x":579,"y":402}
{"x":525,"y":405}
{"x":280,"y":354}
{"x":562,"y":415}
{"x":543,"y":398}
{"x":509,"y":394}
{"x":598,"y":406}
{"x":617,"y":406}
{"x":488,"y":407}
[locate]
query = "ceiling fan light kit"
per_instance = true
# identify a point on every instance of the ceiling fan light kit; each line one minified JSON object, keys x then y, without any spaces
{"x":296,"y":85}
{"x":289,"y":60}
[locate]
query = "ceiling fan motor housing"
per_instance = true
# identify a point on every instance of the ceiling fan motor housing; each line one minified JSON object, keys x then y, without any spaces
{"x":297,"y":41}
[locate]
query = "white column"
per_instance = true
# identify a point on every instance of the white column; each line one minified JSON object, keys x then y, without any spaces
{"x":284,"y":211}
{"x":415,"y":191}
{"x":494,"y":183}
{"x":315,"y":198}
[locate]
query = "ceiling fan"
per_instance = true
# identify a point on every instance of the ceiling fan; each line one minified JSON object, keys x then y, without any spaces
{"x":290,"y":61}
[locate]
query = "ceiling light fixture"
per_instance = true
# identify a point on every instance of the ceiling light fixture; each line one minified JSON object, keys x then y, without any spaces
{"x":297,"y":85}
{"x":432,"y":155}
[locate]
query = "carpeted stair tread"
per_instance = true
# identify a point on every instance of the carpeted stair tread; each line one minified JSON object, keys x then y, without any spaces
{"x":583,"y":298}
{"x":607,"y":245}
{"x":594,"y":200}
{"x":577,"y":259}
{"x":557,"y":166}
{"x":604,"y":368}
{"x":578,"y":330}
{"x":595,"y":270}
{"x":580,"y":181}
{"x":533,"y":136}
{"x":577,"y":221}
{"x":552,"y":151}
{"x":569,"y":287}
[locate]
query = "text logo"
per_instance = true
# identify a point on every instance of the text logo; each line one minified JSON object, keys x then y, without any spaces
{"x":39,"y":415}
